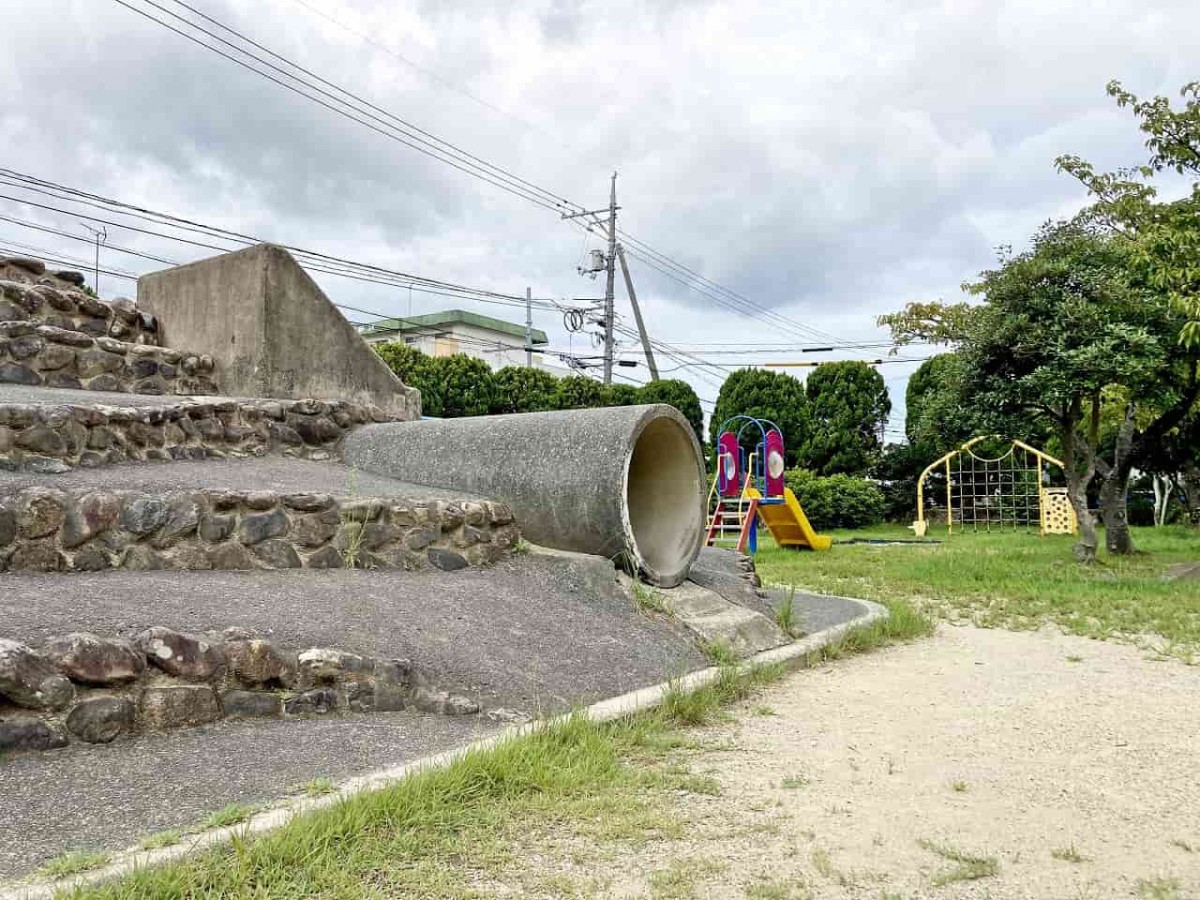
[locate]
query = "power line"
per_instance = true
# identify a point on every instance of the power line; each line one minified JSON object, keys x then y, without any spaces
{"x":314,"y":260}
{"x":404,"y":132}
{"x":419,"y":139}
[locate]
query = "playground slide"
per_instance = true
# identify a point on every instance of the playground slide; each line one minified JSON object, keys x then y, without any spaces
{"x":787,"y":522}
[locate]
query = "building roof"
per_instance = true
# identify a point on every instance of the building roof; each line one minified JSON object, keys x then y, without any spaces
{"x":447,"y":318}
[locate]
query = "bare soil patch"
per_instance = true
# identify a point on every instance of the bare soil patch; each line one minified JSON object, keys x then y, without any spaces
{"x":980,"y":763}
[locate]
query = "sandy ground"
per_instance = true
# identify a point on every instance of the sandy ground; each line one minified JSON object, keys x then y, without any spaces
{"x":995,"y":744}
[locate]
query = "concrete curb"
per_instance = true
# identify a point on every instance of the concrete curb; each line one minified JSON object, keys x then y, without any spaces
{"x":792,"y":656}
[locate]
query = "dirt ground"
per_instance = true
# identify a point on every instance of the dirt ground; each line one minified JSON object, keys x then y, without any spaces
{"x":1045,"y":766}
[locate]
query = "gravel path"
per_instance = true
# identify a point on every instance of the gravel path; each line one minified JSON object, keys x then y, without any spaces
{"x":1001,"y":745}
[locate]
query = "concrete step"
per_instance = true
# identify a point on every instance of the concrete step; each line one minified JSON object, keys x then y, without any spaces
{"x":51,"y":431}
{"x":269,"y":513}
{"x":716,"y":620}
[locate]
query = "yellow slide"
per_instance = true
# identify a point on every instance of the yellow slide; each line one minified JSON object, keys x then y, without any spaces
{"x":788,"y":523}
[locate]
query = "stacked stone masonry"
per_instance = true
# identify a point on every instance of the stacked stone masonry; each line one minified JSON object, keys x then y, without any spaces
{"x":55,"y":439}
{"x":43,"y":529}
{"x":94,"y":689}
{"x":52,"y":356}
{"x":27,"y":295}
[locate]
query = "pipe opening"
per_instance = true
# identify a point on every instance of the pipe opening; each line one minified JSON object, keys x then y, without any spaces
{"x":663,"y":499}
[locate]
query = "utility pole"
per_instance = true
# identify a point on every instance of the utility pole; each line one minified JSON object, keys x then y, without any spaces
{"x":528,"y":326}
{"x":101,"y":235}
{"x":610,"y":281}
{"x":637,"y":314}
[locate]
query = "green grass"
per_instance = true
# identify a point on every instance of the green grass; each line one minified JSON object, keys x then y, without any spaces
{"x":785,"y":615}
{"x":719,"y":652}
{"x":159,"y":839}
{"x":778,"y":889}
{"x":72,"y":863}
{"x":1013,"y":581}
{"x":319,"y":786}
{"x":232,"y":814}
{"x":959,"y":787}
{"x":968,"y":867}
{"x":648,"y":601}
{"x":437,"y":833}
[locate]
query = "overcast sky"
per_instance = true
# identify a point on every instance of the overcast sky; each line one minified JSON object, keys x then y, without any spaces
{"x":831,"y":161}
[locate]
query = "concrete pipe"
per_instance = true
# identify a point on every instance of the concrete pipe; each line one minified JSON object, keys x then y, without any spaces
{"x":617,"y":482}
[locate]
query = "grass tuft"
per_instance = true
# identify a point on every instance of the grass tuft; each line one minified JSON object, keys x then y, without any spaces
{"x":648,"y":601}
{"x":72,"y":863}
{"x":959,"y":787}
{"x":778,"y":889}
{"x":231,"y":814}
{"x":792,"y":782}
{"x":1159,"y":889}
{"x":160,"y":839}
{"x":319,"y":787}
{"x":968,"y":866}
{"x":1068,"y":854}
{"x":785,"y":615}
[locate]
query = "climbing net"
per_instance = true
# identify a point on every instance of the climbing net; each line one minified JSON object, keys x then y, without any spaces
{"x":996,"y":493}
{"x":1011,"y":490}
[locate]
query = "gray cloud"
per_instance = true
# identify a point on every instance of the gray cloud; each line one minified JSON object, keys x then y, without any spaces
{"x":831,"y":162}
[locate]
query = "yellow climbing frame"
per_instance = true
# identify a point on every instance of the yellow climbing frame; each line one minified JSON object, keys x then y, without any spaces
{"x":1055,"y":515}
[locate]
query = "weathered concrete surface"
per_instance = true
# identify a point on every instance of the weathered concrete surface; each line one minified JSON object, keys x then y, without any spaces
{"x":724,"y":572}
{"x":108,"y":797}
{"x":616,"y":482}
{"x":271,"y":330}
{"x":536,"y":633}
{"x":718,"y":621}
{"x":279,"y":475}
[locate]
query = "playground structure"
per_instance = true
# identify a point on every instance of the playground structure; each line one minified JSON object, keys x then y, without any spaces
{"x":1004,"y":492}
{"x":749,"y":488}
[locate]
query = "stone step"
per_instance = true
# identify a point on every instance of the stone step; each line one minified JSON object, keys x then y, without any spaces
{"x":28,"y":293}
{"x":52,"y":431}
{"x":242,"y":514}
{"x":42,"y":354}
{"x":97,"y":687}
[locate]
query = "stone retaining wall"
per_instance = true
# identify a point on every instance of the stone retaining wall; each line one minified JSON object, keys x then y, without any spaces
{"x":58,"y":357}
{"x":43,"y":529}
{"x":89,"y":688}
{"x":54,"y":439}
{"x":51,"y":300}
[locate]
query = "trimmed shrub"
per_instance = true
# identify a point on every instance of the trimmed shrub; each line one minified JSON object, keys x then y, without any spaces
{"x":678,"y":394}
{"x":465,"y":384}
{"x":619,"y":395}
{"x":521,"y":389}
{"x":578,"y":392}
{"x":836,"y":501}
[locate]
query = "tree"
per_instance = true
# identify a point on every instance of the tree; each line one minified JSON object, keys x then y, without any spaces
{"x":520,"y":389}
{"x":937,"y":416}
{"x":764,"y":394}
{"x":848,"y":408}
{"x":1063,"y":330}
{"x":1164,"y":237}
{"x":465,"y":385}
{"x":415,"y":369}
{"x":578,"y":392}
{"x":678,"y":394}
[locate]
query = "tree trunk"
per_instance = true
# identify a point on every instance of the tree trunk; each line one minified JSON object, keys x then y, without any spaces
{"x":1077,"y":486}
{"x":1114,"y":493}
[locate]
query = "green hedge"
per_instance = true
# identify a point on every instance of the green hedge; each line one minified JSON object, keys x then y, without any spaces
{"x":836,"y":501}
